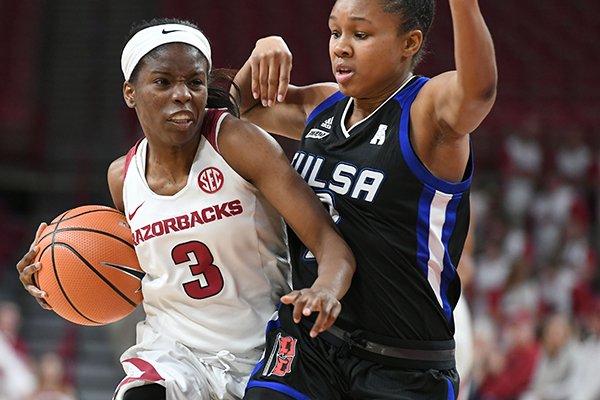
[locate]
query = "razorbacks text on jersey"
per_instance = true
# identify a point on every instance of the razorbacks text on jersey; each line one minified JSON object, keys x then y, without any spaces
{"x":405,"y":226}
{"x":214,"y":253}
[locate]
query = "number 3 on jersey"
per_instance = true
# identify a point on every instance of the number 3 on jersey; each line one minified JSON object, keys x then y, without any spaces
{"x":209,"y":280}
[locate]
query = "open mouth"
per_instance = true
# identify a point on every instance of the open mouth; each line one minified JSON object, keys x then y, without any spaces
{"x":342,"y":74}
{"x":181,"y":120}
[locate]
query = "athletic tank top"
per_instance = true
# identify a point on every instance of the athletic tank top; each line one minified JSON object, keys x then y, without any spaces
{"x":405,"y":226}
{"x":214,"y":253}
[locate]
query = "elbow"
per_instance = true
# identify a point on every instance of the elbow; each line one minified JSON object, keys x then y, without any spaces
{"x":489,"y":92}
{"x":487,"y":89}
{"x":490,"y":89}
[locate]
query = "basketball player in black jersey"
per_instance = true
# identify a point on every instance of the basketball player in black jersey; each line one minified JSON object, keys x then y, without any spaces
{"x":389,"y":154}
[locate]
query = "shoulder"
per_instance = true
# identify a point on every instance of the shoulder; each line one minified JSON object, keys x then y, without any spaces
{"x":311,"y":96}
{"x":116,"y":178}
{"x":235,"y":132}
{"x":117,"y":168}
{"x":246,"y":147}
{"x":424,"y":109}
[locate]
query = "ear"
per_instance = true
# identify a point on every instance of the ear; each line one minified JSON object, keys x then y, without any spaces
{"x":413,"y":42}
{"x":129,"y":94}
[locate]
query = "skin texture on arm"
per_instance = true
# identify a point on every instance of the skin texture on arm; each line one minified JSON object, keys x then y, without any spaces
{"x":115,"y":180}
{"x":258,"y":158}
{"x":453,"y":104}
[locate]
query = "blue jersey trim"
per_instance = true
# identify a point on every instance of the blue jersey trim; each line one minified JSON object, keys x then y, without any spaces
{"x":258,"y":366}
{"x":423,"y":229}
{"x":328,"y":102}
{"x":406,"y":98}
{"x":424,"y":253}
{"x":278,"y":387}
{"x":449,"y":272}
{"x":450,"y":390}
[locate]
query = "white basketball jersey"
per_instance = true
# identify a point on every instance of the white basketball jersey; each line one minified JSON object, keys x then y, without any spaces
{"x":214,"y":253}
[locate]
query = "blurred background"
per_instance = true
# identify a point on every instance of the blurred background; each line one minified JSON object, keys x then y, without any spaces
{"x":530,"y":274}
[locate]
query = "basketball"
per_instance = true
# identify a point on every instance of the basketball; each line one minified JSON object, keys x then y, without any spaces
{"x":90,"y":272}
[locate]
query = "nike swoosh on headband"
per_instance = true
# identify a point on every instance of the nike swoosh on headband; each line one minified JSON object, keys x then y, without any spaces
{"x":164,"y":31}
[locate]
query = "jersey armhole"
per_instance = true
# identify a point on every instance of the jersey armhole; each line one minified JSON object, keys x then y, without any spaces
{"x":212,"y":124}
{"x":406,"y":98}
{"x":129,"y":157}
{"x":328,"y":102}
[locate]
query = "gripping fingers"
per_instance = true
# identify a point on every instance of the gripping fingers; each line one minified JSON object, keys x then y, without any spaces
{"x":27,"y":259}
{"x":39,"y":231}
{"x":26,"y":275}
{"x":27,"y":281}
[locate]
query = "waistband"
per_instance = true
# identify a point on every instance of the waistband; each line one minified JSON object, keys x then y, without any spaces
{"x":420,"y":355}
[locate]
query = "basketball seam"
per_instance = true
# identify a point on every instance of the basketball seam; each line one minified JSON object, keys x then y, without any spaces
{"x":108,"y":282}
{"x":63,"y":215}
{"x":89,"y":265}
{"x":76,"y":229}
{"x":60,"y":286}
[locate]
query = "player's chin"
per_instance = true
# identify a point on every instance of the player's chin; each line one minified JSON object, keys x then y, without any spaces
{"x":349,"y":90}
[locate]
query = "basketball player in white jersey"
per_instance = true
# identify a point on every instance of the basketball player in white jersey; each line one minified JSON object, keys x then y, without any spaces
{"x":203,"y":193}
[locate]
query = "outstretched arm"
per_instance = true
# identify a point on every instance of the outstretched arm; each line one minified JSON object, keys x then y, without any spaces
{"x":257,"y":157}
{"x":463,"y":98}
{"x":453,"y":104}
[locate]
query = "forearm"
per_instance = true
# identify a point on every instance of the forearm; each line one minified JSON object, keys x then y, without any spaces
{"x":474,"y":52}
{"x":336,"y":267}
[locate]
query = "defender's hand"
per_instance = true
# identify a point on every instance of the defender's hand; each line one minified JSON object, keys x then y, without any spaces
{"x":271,"y":64}
{"x":307,"y":301}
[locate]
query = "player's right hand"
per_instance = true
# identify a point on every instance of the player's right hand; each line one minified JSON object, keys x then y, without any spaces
{"x":271,"y":65}
{"x":27,"y":266}
{"x":310,"y":300}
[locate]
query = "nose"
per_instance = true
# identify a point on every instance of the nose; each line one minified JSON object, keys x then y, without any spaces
{"x":341,"y":47}
{"x":181,"y":93}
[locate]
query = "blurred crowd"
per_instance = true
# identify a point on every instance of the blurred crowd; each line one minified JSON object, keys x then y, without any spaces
{"x":23,"y":376}
{"x":534,"y":295}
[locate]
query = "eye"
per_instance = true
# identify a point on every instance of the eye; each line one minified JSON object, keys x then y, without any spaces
{"x":161,"y":82}
{"x":335,"y":34}
{"x":360,"y":35}
{"x":196,"y":83}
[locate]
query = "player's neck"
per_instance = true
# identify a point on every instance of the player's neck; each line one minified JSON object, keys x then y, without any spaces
{"x":363,"y":107}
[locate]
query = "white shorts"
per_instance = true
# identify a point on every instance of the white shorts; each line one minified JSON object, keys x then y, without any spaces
{"x":464,"y":345}
{"x":186,"y":374}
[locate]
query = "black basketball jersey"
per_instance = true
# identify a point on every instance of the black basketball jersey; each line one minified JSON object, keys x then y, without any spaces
{"x":405,"y":226}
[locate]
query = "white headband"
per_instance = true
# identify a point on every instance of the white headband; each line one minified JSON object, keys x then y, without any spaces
{"x":150,"y":38}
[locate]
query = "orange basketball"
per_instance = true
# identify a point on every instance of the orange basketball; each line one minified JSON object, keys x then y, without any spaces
{"x":90,"y":272}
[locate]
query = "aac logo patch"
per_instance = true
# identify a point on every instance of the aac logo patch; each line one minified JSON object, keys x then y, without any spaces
{"x":210,"y":180}
{"x":282,"y":356}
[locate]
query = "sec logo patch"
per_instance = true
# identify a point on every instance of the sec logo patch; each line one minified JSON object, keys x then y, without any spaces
{"x":210,"y":180}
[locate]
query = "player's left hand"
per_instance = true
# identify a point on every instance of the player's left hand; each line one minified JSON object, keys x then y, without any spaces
{"x":307,"y":301}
